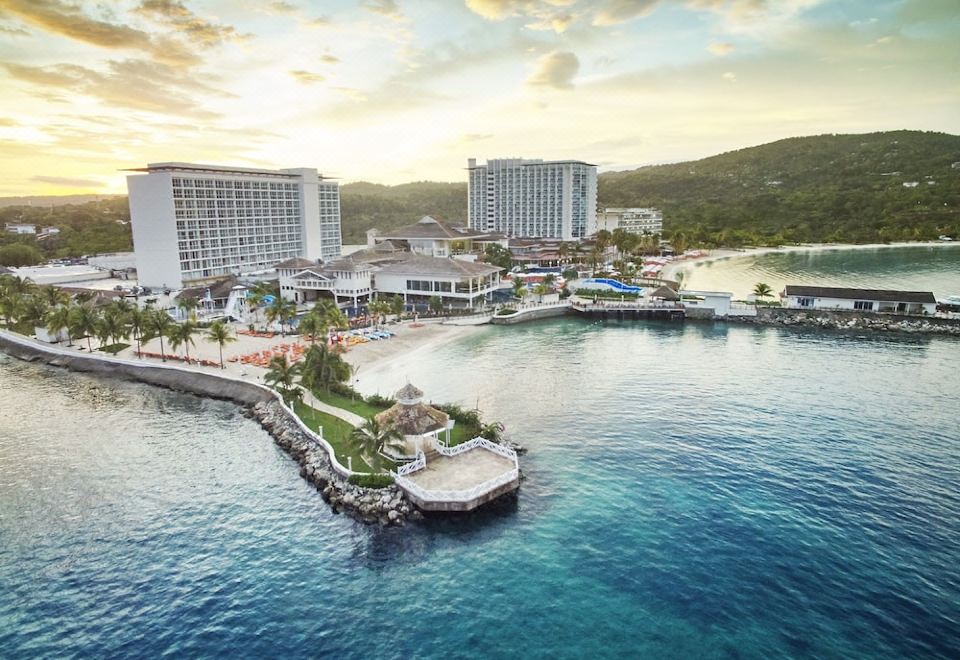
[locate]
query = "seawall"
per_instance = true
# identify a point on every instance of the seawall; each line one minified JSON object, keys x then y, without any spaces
{"x":851,"y":320}
{"x":533,"y":314}
{"x":317,"y":459}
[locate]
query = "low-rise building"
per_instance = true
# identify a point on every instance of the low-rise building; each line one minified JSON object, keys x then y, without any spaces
{"x":632,"y":220}
{"x":860,"y":300}
{"x":20,"y":228}
{"x":434,"y":238}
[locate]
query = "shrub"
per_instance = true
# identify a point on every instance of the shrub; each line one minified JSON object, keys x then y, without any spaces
{"x":380,"y":401}
{"x":506,"y":311}
{"x":570,"y":274}
{"x":371,"y":480}
{"x":458,"y":414}
{"x":345,"y":390}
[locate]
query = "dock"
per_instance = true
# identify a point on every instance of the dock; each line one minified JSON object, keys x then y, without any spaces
{"x":629,"y":310}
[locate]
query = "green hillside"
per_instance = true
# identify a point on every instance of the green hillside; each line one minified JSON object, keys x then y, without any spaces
{"x":364,"y":206}
{"x":844,"y":188}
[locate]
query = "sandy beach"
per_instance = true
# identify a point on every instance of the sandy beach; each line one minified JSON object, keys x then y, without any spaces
{"x":671,"y":269}
{"x":366,"y":359}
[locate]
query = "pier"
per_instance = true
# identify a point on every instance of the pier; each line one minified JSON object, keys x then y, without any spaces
{"x":629,"y":310}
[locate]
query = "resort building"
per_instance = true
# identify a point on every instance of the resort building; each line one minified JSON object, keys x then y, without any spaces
{"x":533,"y":198}
{"x":193,"y":223}
{"x":386,"y":270}
{"x":19,"y":228}
{"x":632,"y":220}
{"x":860,"y":300}
{"x":434,"y":238}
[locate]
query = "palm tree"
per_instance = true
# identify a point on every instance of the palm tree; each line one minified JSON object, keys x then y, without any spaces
{"x":371,"y":439}
{"x":378,"y":309}
{"x":187,"y":305}
{"x":137,"y":321}
{"x":492,"y":431}
{"x":220,"y":333}
{"x":158,"y":324}
{"x":281,"y":310}
{"x":33,"y":310}
{"x":518,"y":287}
{"x":83,"y":322}
{"x":58,"y":320}
{"x":281,"y":372}
{"x":436,"y":304}
{"x":54,"y":296}
{"x":761,"y":291}
{"x":312,"y":325}
{"x":10,"y":304}
{"x":181,"y":334}
{"x":323,"y":367}
{"x":396,"y":306}
{"x":110,"y":327}
{"x":679,"y":278}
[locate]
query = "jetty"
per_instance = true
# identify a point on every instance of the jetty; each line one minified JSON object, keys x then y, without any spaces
{"x":624,"y":310}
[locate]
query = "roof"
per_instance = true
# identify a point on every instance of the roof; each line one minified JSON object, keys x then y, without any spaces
{"x":413,"y":420}
{"x":417,"y":264}
{"x":345,"y":265}
{"x":429,"y":228}
{"x":296,"y":263}
{"x":409,"y":392}
{"x":882,"y":295}
{"x":218,"y":289}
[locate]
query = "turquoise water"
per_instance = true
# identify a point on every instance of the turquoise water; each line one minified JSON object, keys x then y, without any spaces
{"x":691,"y":491}
{"x":922,"y":268}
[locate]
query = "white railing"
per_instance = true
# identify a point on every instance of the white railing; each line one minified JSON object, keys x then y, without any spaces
{"x":417,"y":464}
{"x":506,"y":452}
{"x":456,"y":495}
{"x":311,"y":434}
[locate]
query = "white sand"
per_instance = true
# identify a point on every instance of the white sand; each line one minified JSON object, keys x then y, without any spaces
{"x":673,"y":267}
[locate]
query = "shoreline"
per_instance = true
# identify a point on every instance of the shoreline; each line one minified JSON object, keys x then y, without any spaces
{"x":722,"y":254}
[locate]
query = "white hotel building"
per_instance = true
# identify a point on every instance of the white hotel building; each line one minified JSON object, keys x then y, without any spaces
{"x":631,"y":220}
{"x":533,"y":198}
{"x":193,"y":223}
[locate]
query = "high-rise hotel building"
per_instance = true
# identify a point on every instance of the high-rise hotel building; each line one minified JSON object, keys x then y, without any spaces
{"x":535,"y":198}
{"x":197,"y":222}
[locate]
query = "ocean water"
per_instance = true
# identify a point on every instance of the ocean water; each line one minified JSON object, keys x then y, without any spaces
{"x":916,"y":268}
{"x":692,"y":491}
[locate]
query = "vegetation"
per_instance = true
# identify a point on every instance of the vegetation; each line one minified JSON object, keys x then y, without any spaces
{"x":365,"y":206}
{"x":841,"y":188}
{"x":335,"y":431}
{"x":371,"y":480}
{"x":761,"y":291}
{"x":219,"y":333}
{"x":371,"y":439}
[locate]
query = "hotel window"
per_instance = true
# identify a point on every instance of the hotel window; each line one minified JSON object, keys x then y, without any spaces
{"x":865,"y":305}
{"x":805,"y":302}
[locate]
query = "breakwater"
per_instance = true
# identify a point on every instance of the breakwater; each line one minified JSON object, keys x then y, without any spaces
{"x":849,"y":320}
{"x":386,"y":506}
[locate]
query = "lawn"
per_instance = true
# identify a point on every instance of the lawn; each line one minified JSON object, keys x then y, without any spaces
{"x":337,"y":433}
{"x":358,"y":406}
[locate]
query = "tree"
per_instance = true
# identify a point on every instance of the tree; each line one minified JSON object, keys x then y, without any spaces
{"x":378,"y":309}
{"x":219,"y":333}
{"x":498,"y":256}
{"x":137,"y":320}
{"x":371,"y":439}
{"x":187,"y":305}
{"x":761,"y":291}
{"x":19,"y":254}
{"x":492,"y":431}
{"x":518,"y":286}
{"x":323,"y":368}
{"x":396,"y":306}
{"x":54,"y":295}
{"x":436,"y":304}
{"x":158,"y":324}
{"x":83,"y":322}
{"x":280,"y":374}
{"x":281,"y":310}
{"x":58,"y":320}
{"x":181,"y":334}
{"x":312,"y":325}
{"x":110,"y":327}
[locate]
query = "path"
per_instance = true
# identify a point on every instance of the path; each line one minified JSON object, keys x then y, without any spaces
{"x":351,"y":418}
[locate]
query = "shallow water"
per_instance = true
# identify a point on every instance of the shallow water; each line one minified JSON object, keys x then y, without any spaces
{"x":691,"y":491}
{"x":922,"y":268}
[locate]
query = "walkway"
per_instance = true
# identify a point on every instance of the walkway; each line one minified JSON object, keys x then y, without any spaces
{"x":350,"y":418}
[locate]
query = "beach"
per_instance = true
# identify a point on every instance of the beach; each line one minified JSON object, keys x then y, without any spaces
{"x":672,"y":268}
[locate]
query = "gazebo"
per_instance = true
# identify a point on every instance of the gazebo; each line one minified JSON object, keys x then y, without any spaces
{"x":420,"y":424}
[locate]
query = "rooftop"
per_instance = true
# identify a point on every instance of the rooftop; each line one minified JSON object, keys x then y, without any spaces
{"x":416,"y":264}
{"x":430,"y":228}
{"x":883,"y":295}
{"x":296,"y":263}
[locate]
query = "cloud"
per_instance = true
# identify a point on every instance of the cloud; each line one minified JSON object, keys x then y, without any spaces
{"x":614,"y":12}
{"x":306,"y":77}
{"x":721,"y":48}
{"x":67,"y":181}
{"x":555,"y":70}
{"x":69,"y":21}
{"x":545,"y":14}
{"x":182,"y":20}
{"x":134,"y":84}
{"x":386,"y":8}
{"x":329,"y":59}
{"x":281,"y":7}
{"x":4,"y":121}
{"x":475,"y":137}
{"x":13,"y":31}
{"x":729,"y":76}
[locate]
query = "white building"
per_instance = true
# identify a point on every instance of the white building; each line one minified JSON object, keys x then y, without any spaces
{"x":632,"y":220}
{"x":384,"y":271}
{"x":533,"y":198}
{"x":860,"y":300}
{"x":20,"y":228}
{"x":197,"y":222}
{"x":433,"y":238}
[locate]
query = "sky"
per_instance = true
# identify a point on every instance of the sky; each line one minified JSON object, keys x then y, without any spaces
{"x":392,"y":91}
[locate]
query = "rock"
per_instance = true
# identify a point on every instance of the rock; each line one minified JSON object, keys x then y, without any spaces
{"x":393,"y":516}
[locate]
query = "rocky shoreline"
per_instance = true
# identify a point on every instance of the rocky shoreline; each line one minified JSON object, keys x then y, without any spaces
{"x":384,"y":506}
{"x":852,"y":321}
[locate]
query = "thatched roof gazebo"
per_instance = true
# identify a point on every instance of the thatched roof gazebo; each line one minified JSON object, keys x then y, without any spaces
{"x":413,"y":418}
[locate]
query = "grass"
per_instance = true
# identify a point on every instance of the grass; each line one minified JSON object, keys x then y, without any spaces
{"x":337,"y":433}
{"x":113,"y":349}
{"x":358,"y":406}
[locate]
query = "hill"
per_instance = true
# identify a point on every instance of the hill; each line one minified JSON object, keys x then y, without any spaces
{"x":54,"y":200}
{"x":843,"y":188}
{"x":365,"y":205}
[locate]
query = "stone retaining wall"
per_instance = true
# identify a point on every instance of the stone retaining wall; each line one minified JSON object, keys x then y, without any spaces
{"x":851,"y":320}
{"x":524,"y":315}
